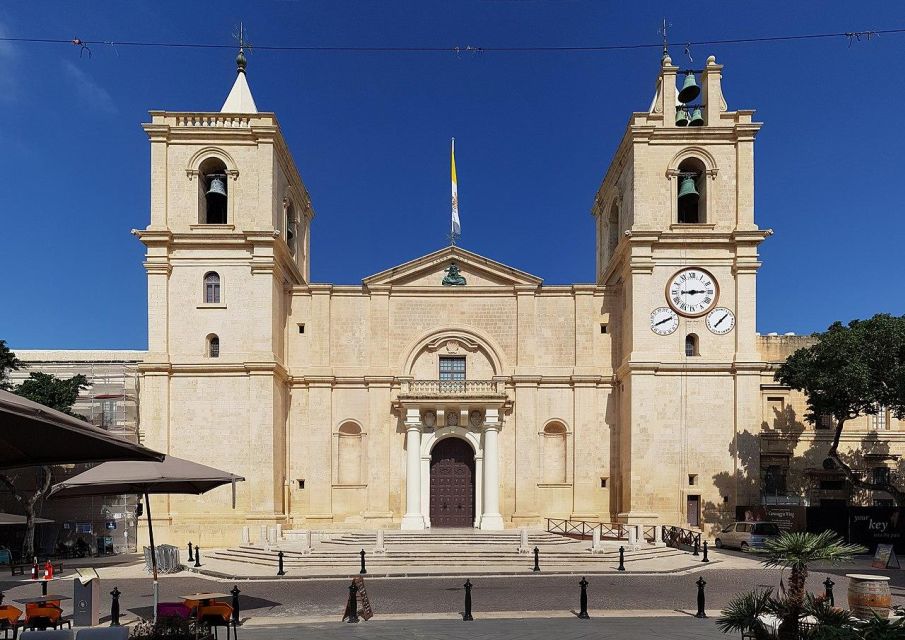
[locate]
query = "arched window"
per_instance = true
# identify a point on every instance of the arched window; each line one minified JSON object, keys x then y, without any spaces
{"x":213,"y":196}
{"x":213,"y":346}
{"x":691,"y":192}
{"x":612,"y":230}
{"x":555,"y":453}
{"x":290,"y":228}
{"x":691,"y":345}
{"x":348,"y":466}
{"x":211,"y":287}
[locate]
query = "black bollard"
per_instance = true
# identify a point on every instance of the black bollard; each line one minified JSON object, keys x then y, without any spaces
{"x":467,"y":615}
{"x":700,"y":613}
{"x":197,"y":556}
{"x":235,"y":591}
{"x":828,"y":594}
{"x":191,"y":556}
{"x":363,"y":570}
{"x":705,"y":558}
{"x":583,"y":600}
{"x":697,"y":542}
{"x":280,"y":571}
{"x":621,"y":566}
{"x":114,"y":607}
{"x":536,"y":559}
{"x":353,"y":603}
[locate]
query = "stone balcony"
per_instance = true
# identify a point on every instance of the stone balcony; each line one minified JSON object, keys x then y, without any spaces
{"x":452,"y":390}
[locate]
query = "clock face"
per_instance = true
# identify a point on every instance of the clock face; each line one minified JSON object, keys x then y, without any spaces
{"x":721,"y":320}
{"x":692,"y":292}
{"x":663,"y":321}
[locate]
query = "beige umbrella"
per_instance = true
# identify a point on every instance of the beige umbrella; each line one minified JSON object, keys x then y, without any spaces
{"x":12,"y":518}
{"x":172,"y":475}
{"x":32,"y":434}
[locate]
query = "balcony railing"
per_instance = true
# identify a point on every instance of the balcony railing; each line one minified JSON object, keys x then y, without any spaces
{"x":452,"y":388}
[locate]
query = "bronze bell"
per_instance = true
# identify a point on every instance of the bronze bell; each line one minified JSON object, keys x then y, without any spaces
{"x":217,"y":185}
{"x":690,"y":89}
{"x":687,"y":188}
{"x":682,"y":118}
{"x":697,"y":118}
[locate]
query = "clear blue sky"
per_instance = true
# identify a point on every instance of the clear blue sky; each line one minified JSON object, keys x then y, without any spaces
{"x":370,"y":134}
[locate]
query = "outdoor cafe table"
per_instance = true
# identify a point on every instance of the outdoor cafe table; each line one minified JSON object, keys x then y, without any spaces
{"x":205,"y":598}
{"x":43,"y":582}
{"x":42,"y":599}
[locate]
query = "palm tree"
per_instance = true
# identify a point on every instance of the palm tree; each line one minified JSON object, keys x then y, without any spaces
{"x":795,"y":551}
{"x":743,"y":613}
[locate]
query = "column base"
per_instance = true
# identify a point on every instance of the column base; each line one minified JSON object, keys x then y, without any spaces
{"x":492,"y":522}
{"x":412,"y":522}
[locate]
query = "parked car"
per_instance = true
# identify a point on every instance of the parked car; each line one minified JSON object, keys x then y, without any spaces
{"x":742,"y":535}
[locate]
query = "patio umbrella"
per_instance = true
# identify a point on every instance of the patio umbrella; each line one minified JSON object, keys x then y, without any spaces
{"x":32,"y":434}
{"x":171,"y":475}
{"x":12,"y":518}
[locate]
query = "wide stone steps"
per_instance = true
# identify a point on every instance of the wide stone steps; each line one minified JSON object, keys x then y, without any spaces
{"x":429,"y":557}
{"x":426,"y":539}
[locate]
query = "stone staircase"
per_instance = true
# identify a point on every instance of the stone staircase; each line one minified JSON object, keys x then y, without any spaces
{"x":409,"y":550}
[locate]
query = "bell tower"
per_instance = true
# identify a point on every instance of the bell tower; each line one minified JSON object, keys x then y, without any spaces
{"x":228,"y":237}
{"x":677,"y":244}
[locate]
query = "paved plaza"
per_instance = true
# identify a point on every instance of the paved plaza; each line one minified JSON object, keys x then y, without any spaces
{"x":621,"y":604}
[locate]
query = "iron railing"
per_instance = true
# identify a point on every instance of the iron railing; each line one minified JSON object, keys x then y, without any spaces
{"x":450,"y":388}
{"x":582,"y":529}
{"x":681,"y":538}
{"x":649,"y":532}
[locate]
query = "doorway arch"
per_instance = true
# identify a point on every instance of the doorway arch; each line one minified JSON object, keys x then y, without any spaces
{"x":452,"y":484}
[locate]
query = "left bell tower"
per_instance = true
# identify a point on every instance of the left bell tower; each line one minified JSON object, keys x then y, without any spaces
{"x":228,"y":238}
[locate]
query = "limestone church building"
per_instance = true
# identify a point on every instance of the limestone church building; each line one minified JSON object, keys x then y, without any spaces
{"x":452,"y":390}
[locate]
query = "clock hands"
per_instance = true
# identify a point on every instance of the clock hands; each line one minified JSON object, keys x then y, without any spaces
{"x":720,"y":321}
{"x":665,"y":320}
{"x":693,"y":292}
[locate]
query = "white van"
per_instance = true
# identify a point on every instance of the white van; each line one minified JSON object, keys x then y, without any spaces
{"x":742,"y":535}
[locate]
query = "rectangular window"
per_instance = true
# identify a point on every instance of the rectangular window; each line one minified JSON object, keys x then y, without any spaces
{"x":452,"y":368}
{"x":825,"y":422}
{"x":878,"y":420}
{"x":603,"y":483}
{"x":83,"y":527}
{"x":692,"y":479}
{"x":880,"y":475}
{"x":212,"y":292}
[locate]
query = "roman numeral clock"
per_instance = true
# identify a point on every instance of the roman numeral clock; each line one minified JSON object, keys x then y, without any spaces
{"x":692,"y":292}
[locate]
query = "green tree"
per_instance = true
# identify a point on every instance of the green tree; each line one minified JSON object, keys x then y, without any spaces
{"x":853,"y":370}
{"x":30,"y":486}
{"x":8,"y":362}
{"x":796,"y":551}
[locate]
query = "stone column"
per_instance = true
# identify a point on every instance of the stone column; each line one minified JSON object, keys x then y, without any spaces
{"x":491,"y":517}
{"x":413,"y":518}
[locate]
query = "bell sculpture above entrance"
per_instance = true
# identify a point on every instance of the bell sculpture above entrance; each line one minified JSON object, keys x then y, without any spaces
{"x":453,"y":277}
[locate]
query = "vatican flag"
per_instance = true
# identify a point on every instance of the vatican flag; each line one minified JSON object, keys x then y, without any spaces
{"x":456,"y":227}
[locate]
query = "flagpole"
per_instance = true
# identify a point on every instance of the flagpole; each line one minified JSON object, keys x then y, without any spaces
{"x":454,"y":226}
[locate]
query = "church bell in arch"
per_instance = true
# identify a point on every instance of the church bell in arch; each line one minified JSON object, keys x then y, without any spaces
{"x":217,"y":185}
{"x":687,"y":188}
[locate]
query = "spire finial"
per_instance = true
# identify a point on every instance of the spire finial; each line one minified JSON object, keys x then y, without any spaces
{"x":241,"y":61}
{"x":664,"y":28}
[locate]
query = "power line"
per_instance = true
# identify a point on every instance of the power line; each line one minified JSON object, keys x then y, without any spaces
{"x":850,"y":36}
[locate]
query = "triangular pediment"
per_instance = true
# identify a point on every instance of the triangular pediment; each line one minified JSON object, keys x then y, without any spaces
{"x":430,"y":270}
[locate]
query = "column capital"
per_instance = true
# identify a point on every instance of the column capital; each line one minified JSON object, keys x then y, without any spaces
{"x":492,"y":426}
{"x":412,"y":419}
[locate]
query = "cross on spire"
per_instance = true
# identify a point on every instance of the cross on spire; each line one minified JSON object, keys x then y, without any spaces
{"x":241,"y":62}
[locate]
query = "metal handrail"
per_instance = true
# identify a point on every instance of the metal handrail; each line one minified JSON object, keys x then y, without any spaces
{"x":583,"y":529}
{"x":679,"y":538}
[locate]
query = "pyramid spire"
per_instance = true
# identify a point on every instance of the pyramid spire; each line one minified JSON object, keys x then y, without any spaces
{"x":240,"y":99}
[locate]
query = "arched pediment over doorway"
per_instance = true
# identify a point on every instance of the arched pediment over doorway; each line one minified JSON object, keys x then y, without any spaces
{"x":481,"y":352}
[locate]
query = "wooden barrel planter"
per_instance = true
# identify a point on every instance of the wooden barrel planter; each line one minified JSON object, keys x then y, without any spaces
{"x":867,"y":593}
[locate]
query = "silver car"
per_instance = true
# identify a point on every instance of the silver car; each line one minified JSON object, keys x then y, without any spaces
{"x":742,"y":535}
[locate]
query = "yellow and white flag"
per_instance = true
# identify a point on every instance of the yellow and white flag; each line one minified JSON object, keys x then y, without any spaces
{"x":456,"y":227}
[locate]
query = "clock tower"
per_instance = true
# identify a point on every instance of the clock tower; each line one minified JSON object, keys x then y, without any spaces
{"x":677,"y":246}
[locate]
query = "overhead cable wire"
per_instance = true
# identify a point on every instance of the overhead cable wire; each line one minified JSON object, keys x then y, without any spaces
{"x":850,"y":36}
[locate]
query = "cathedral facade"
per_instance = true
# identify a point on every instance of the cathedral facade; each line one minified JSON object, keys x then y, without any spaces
{"x":453,"y":390}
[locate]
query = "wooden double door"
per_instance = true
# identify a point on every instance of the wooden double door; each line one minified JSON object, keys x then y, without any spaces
{"x":452,"y":484}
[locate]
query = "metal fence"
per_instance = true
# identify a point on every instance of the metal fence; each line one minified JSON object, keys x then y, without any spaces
{"x":582,"y":529}
{"x":167,"y":559}
{"x":681,"y":538}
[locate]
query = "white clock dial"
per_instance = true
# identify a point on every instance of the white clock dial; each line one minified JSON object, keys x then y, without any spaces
{"x":721,"y":320}
{"x":663,"y":321}
{"x":692,"y":292}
